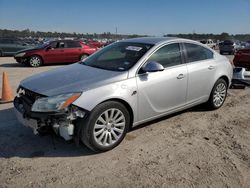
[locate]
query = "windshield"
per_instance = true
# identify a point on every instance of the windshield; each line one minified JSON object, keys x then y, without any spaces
{"x":43,"y":45}
{"x":119,"y":56}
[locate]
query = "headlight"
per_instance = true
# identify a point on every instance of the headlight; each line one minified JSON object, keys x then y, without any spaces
{"x":54,"y":103}
{"x":20,"y":54}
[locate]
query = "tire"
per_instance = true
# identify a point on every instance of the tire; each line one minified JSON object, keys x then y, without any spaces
{"x":35,"y":61}
{"x":83,"y":56}
{"x":218,"y":94}
{"x":1,"y":53}
{"x":221,"y":52}
{"x":99,"y":136}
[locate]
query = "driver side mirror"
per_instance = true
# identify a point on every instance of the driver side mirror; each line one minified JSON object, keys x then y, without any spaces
{"x":152,"y":67}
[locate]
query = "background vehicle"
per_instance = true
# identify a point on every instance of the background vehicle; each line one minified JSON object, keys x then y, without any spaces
{"x":227,"y":46}
{"x":123,"y":85}
{"x":242,"y":57}
{"x":209,"y":42}
{"x":61,"y":51}
{"x":95,"y":43}
{"x":9,"y":46}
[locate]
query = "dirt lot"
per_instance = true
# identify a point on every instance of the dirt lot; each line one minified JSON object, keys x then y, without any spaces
{"x":194,"y":148}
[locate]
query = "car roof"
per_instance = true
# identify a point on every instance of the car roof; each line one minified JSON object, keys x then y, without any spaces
{"x":149,"y":40}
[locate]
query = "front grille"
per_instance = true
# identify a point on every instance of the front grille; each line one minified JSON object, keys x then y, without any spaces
{"x":30,"y":95}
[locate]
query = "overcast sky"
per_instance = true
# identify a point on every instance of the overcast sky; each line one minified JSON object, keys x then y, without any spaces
{"x":152,"y":17}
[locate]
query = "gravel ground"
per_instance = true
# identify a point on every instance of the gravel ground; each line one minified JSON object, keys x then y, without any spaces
{"x":194,"y":148}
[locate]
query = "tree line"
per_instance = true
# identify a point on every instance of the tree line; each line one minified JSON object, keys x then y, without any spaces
{"x":223,"y":36}
{"x":108,"y":35}
{"x":37,"y":34}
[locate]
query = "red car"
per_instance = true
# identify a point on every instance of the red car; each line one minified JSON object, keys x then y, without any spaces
{"x":242,"y":58}
{"x":61,"y":51}
{"x":96,"y":44}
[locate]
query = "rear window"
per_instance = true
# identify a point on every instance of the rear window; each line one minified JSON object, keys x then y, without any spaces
{"x":197,"y":53}
{"x":228,"y":42}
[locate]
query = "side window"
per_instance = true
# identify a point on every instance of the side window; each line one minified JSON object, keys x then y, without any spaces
{"x":168,"y":55}
{"x":53,"y":44}
{"x":61,"y":45}
{"x":197,"y":53}
{"x":73,"y":44}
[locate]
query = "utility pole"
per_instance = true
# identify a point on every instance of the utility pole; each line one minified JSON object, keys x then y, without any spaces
{"x":116,"y":33}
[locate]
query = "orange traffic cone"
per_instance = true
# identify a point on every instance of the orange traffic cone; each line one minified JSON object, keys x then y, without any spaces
{"x":7,"y":95}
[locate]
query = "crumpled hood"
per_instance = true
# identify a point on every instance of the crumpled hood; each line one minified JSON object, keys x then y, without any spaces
{"x":71,"y":78}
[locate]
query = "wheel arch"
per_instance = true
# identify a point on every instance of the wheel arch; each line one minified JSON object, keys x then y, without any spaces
{"x":84,"y":53}
{"x":38,"y":56}
{"x":224,"y":77}
{"x":128,"y":107}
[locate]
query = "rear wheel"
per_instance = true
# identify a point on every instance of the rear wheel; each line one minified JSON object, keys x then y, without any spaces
{"x":105,"y":127}
{"x":83,"y":56}
{"x":1,"y":53}
{"x":218,"y":94}
{"x":35,"y":61}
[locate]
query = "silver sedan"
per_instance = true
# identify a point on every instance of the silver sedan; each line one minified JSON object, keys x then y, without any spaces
{"x":96,"y":101}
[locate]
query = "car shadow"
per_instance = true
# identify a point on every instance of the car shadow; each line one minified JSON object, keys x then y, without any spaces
{"x":19,"y":141}
{"x":7,"y":65}
{"x":199,"y":108}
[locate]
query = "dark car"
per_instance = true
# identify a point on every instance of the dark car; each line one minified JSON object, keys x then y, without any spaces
{"x":227,"y":46}
{"x":60,"y":51}
{"x":9,"y":46}
{"x":242,"y":57}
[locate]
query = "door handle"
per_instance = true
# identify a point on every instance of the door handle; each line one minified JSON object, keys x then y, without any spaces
{"x":211,"y":67}
{"x":180,"y":76}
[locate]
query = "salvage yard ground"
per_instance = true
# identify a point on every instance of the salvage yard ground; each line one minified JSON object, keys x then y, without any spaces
{"x":194,"y":148}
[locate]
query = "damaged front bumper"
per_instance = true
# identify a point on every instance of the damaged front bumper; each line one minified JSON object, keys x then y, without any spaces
{"x":62,"y":123}
{"x":22,"y":60}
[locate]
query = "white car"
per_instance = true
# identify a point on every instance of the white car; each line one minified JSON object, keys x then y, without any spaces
{"x":209,"y":42}
{"x":125,"y":84}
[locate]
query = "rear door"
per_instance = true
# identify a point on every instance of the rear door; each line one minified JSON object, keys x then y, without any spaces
{"x":201,"y":68}
{"x":72,"y":51}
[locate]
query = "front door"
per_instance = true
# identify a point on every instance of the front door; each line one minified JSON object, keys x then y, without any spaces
{"x":164,"y":91}
{"x":55,"y":54}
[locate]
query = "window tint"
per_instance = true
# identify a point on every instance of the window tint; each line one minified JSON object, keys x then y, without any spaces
{"x":53,"y":44}
{"x":73,"y":44}
{"x":168,"y":55}
{"x":57,"y":44}
{"x":197,"y":53}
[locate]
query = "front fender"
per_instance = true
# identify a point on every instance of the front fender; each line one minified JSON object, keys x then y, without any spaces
{"x":125,"y":90}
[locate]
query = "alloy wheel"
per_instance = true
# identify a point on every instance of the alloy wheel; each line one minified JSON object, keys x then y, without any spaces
{"x":35,"y":61}
{"x":219,"y":94}
{"x":109,"y":127}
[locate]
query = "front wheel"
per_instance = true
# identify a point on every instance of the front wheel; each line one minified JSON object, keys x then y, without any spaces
{"x":35,"y":61}
{"x":106,"y":126}
{"x":218,"y":94}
